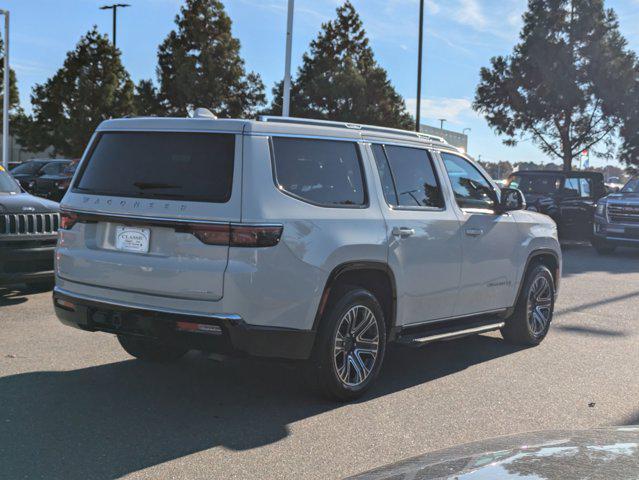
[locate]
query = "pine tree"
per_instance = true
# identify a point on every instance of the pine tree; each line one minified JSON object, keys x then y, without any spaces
{"x":146,"y":101}
{"x":341,"y":80}
{"x":199,"y":65}
{"x":91,"y":86}
{"x":566,"y":83}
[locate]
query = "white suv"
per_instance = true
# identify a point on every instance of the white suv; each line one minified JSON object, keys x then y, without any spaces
{"x":298,"y":239}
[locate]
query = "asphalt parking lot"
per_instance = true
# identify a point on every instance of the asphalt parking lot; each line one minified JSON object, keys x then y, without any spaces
{"x":73,"y":405}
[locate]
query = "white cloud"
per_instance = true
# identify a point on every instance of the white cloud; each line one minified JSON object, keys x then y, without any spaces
{"x":469,"y":12}
{"x":454,"y":110}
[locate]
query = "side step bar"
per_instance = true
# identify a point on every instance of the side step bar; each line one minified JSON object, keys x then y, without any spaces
{"x":449,"y":331}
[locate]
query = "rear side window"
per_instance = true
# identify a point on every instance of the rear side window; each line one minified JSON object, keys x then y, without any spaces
{"x":322,"y":172}
{"x":407,"y":176}
{"x":163,"y":165}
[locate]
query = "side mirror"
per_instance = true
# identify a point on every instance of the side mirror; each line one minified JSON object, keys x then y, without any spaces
{"x":512,"y":199}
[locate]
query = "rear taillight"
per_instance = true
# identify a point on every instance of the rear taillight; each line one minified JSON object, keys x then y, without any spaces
{"x":67,"y":220}
{"x":236,"y":235}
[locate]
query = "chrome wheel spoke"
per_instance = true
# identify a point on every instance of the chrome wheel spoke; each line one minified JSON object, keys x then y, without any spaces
{"x":356,"y":345}
{"x":540,"y":301}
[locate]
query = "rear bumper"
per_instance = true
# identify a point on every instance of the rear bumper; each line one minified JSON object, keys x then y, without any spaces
{"x":26,"y":259}
{"x":223,"y":333}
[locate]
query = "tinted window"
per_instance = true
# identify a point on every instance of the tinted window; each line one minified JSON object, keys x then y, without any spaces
{"x":323,"y":172}
{"x":388,"y":186}
{"x":27,"y":168}
{"x":181,"y":166}
{"x":53,"y":168}
{"x":537,"y":184}
{"x":7,"y":184}
{"x":471,"y":189}
{"x":415,"y":184}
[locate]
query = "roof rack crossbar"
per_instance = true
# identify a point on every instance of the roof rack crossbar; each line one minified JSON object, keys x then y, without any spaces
{"x":353,"y":126}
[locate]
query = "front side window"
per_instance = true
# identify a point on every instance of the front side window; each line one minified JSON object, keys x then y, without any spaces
{"x":322,"y":172}
{"x":632,"y":186}
{"x":407,"y":176}
{"x":577,"y":187}
{"x":471,"y":188}
{"x":27,"y":168}
{"x":162,"y":165}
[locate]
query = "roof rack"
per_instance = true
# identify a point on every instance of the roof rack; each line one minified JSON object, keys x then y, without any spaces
{"x":353,"y":126}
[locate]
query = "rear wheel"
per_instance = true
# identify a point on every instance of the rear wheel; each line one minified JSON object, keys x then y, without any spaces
{"x":150,"y":350}
{"x":602,"y":247}
{"x":351,"y":346}
{"x":530,"y":322}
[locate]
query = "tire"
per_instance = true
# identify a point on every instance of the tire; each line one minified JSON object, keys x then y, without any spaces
{"x":602,"y":247}
{"x":349,"y":373}
{"x":533,"y":313}
{"x":150,"y":350}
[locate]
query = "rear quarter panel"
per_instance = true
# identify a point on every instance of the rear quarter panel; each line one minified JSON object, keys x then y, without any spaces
{"x":282,"y":286}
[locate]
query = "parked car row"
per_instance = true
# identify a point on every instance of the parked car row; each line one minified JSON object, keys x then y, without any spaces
{"x":47,"y":178}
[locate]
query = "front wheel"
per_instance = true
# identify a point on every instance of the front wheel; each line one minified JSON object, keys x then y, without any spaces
{"x":530,"y":322}
{"x":351,"y":346}
{"x":150,"y":350}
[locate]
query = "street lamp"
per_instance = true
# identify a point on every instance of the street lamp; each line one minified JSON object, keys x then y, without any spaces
{"x":419,"y":65}
{"x":286,"y":94}
{"x":441,"y":123}
{"x":114,"y":7}
{"x":7,"y":93}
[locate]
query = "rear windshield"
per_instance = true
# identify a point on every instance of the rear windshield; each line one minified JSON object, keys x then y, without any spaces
{"x":163,"y":165}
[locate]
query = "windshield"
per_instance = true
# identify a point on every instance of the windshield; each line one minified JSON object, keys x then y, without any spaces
{"x":7,"y":183}
{"x":632,"y":186}
{"x":539,"y":184}
{"x":27,"y":168}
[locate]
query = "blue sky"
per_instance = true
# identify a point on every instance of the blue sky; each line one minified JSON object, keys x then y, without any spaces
{"x":460,"y":37}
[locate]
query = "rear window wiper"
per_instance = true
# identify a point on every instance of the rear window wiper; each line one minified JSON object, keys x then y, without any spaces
{"x":150,"y":185}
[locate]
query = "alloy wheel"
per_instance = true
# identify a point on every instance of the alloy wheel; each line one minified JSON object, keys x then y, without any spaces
{"x":540,"y":302}
{"x":356,"y":345}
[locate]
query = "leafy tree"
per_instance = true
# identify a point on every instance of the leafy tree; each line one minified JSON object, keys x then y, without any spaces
{"x":91,"y":86}
{"x":341,"y":80}
{"x":199,"y":65}
{"x":146,"y":101}
{"x":566,"y":82}
{"x":14,"y":98}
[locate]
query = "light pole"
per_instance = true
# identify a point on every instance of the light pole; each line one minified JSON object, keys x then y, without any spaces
{"x":115,"y":7}
{"x":286,"y":95}
{"x":419,"y":65}
{"x":441,"y":123}
{"x":7,"y":93}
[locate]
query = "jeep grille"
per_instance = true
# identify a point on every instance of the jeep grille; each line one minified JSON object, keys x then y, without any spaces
{"x":29,"y":223}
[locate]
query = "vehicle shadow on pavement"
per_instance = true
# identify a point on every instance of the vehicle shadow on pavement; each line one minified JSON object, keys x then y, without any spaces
{"x":584,"y":259}
{"x":106,"y":421}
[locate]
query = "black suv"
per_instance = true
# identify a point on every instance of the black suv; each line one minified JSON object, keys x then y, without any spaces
{"x":28,"y":234}
{"x":54,"y":185}
{"x":569,"y":198}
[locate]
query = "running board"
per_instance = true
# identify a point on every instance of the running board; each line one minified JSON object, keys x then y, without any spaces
{"x":448,"y":332}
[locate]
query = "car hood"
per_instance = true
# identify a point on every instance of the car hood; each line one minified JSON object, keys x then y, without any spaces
{"x":624,"y":197}
{"x":603,"y":453}
{"x":25,"y":203}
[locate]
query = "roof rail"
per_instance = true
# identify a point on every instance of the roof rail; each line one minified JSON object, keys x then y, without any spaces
{"x":352,"y":126}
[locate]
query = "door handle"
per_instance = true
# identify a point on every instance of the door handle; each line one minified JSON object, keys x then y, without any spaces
{"x":474,"y":232}
{"x":403,"y":231}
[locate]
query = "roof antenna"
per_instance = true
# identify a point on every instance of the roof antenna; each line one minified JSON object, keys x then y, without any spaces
{"x":202,"y":112}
